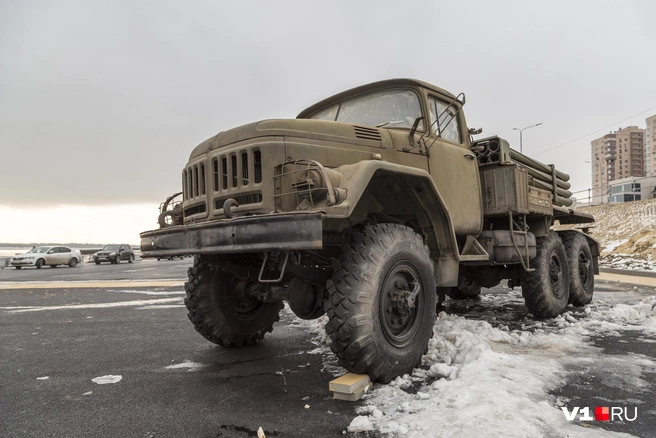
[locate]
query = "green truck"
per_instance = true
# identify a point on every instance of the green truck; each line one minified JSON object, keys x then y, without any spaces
{"x":372,"y":206}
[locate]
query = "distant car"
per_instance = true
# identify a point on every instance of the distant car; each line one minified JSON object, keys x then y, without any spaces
{"x":47,"y":255}
{"x":114,"y":254}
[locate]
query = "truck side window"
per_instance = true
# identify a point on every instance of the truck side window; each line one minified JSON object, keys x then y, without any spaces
{"x":447,"y":126}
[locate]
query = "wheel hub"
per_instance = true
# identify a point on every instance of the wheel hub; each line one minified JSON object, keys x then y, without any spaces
{"x":399,"y":303}
{"x":584,"y":267}
{"x":555,"y":275}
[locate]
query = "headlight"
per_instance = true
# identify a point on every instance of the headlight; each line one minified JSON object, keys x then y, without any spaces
{"x":112,"y":253}
{"x":29,"y":258}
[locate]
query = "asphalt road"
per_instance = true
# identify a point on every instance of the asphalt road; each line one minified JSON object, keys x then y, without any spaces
{"x":55,"y":340}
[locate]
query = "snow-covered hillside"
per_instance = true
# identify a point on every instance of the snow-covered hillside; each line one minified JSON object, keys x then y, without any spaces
{"x":627,"y":233}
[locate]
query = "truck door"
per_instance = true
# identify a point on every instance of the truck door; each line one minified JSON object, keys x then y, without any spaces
{"x":453,"y":167}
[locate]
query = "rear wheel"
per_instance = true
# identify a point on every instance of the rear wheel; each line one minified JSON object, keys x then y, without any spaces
{"x":39,"y":264}
{"x":72,"y":262}
{"x":221,"y":310}
{"x":581,"y":270}
{"x":382,"y":302}
{"x":546,"y":288}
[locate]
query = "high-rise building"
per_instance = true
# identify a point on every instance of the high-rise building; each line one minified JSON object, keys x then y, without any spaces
{"x":650,"y":146}
{"x":616,"y":155}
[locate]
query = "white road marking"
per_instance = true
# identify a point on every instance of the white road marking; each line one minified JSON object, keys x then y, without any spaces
{"x":91,"y":306}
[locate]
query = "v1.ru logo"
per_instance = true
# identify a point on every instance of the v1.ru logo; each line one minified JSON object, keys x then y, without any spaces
{"x":602,"y":413}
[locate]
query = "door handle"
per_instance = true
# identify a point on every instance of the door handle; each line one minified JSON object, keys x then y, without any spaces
{"x":470,"y":156}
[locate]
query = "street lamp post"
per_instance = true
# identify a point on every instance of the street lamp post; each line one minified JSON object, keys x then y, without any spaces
{"x":521,"y":131}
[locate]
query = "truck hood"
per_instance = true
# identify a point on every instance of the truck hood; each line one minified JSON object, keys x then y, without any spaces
{"x":300,"y":128}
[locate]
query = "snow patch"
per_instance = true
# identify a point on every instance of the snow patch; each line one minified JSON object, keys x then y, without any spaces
{"x":360,"y":424}
{"x":43,"y":378}
{"x":104,"y":380}
{"x":187,"y":364}
{"x":476,"y":379}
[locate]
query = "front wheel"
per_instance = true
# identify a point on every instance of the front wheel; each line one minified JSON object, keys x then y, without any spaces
{"x":39,"y":264}
{"x":131,"y":259}
{"x":117,"y":259}
{"x":18,"y":267}
{"x":221,"y":309}
{"x":546,"y":288}
{"x":382,"y":300}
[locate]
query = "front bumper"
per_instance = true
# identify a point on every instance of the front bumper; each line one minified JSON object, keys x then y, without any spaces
{"x":22,"y":262}
{"x":267,"y":232}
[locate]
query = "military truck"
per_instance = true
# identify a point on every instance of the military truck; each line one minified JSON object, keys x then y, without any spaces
{"x":372,"y":206}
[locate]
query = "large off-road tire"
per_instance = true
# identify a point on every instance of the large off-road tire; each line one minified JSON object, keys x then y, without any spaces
{"x":220,"y":313}
{"x":372,"y":327}
{"x":466,"y":289}
{"x":581,"y":270}
{"x":546,"y":288}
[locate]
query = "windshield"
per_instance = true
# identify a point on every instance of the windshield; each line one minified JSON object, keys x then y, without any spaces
{"x":391,"y":108}
{"x":110,"y":248}
{"x":40,"y":249}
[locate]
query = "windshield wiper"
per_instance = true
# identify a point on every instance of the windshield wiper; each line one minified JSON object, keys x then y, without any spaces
{"x":390,"y":123}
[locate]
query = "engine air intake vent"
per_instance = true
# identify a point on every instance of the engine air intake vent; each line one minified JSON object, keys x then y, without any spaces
{"x":249,"y":198}
{"x":195,"y":209}
{"x":367,"y":133}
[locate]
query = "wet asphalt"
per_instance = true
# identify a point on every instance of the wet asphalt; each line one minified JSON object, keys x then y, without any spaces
{"x":277,"y":384}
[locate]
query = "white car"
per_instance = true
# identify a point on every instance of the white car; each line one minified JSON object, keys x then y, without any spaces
{"x":47,"y":255}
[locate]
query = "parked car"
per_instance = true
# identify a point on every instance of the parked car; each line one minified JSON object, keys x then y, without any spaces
{"x":47,"y":255}
{"x":114,"y":254}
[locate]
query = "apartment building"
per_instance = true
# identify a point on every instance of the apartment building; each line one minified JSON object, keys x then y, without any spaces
{"x":650,"y":146}
{"x":616,"y":155}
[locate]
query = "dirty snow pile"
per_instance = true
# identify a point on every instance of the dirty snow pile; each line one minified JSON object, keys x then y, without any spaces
{"x":478,"y":379}
{"x":626,"y":232}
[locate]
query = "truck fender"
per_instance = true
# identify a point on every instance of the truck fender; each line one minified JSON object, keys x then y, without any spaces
{"x":404,"y":190}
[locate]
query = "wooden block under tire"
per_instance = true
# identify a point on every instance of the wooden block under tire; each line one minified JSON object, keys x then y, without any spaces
{"x":357,"y":395}
{"x":349,"y":383}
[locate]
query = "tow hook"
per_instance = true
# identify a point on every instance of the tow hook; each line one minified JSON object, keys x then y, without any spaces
{"x":227,"y":206}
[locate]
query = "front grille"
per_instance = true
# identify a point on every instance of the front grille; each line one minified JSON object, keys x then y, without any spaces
{"x":248,"y":198}
{"x":236,"y":173}
{"x":195,"y":209}
{"x":367,"y":133}
{"x":236,"y":169}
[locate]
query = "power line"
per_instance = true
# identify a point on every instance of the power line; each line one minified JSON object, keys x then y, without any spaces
{"x":594,"y":132}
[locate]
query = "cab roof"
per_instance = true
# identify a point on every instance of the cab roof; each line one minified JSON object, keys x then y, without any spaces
{"x":364,"y":89}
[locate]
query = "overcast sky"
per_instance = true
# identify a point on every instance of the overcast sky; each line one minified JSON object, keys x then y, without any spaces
{"x":102,"y":102}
